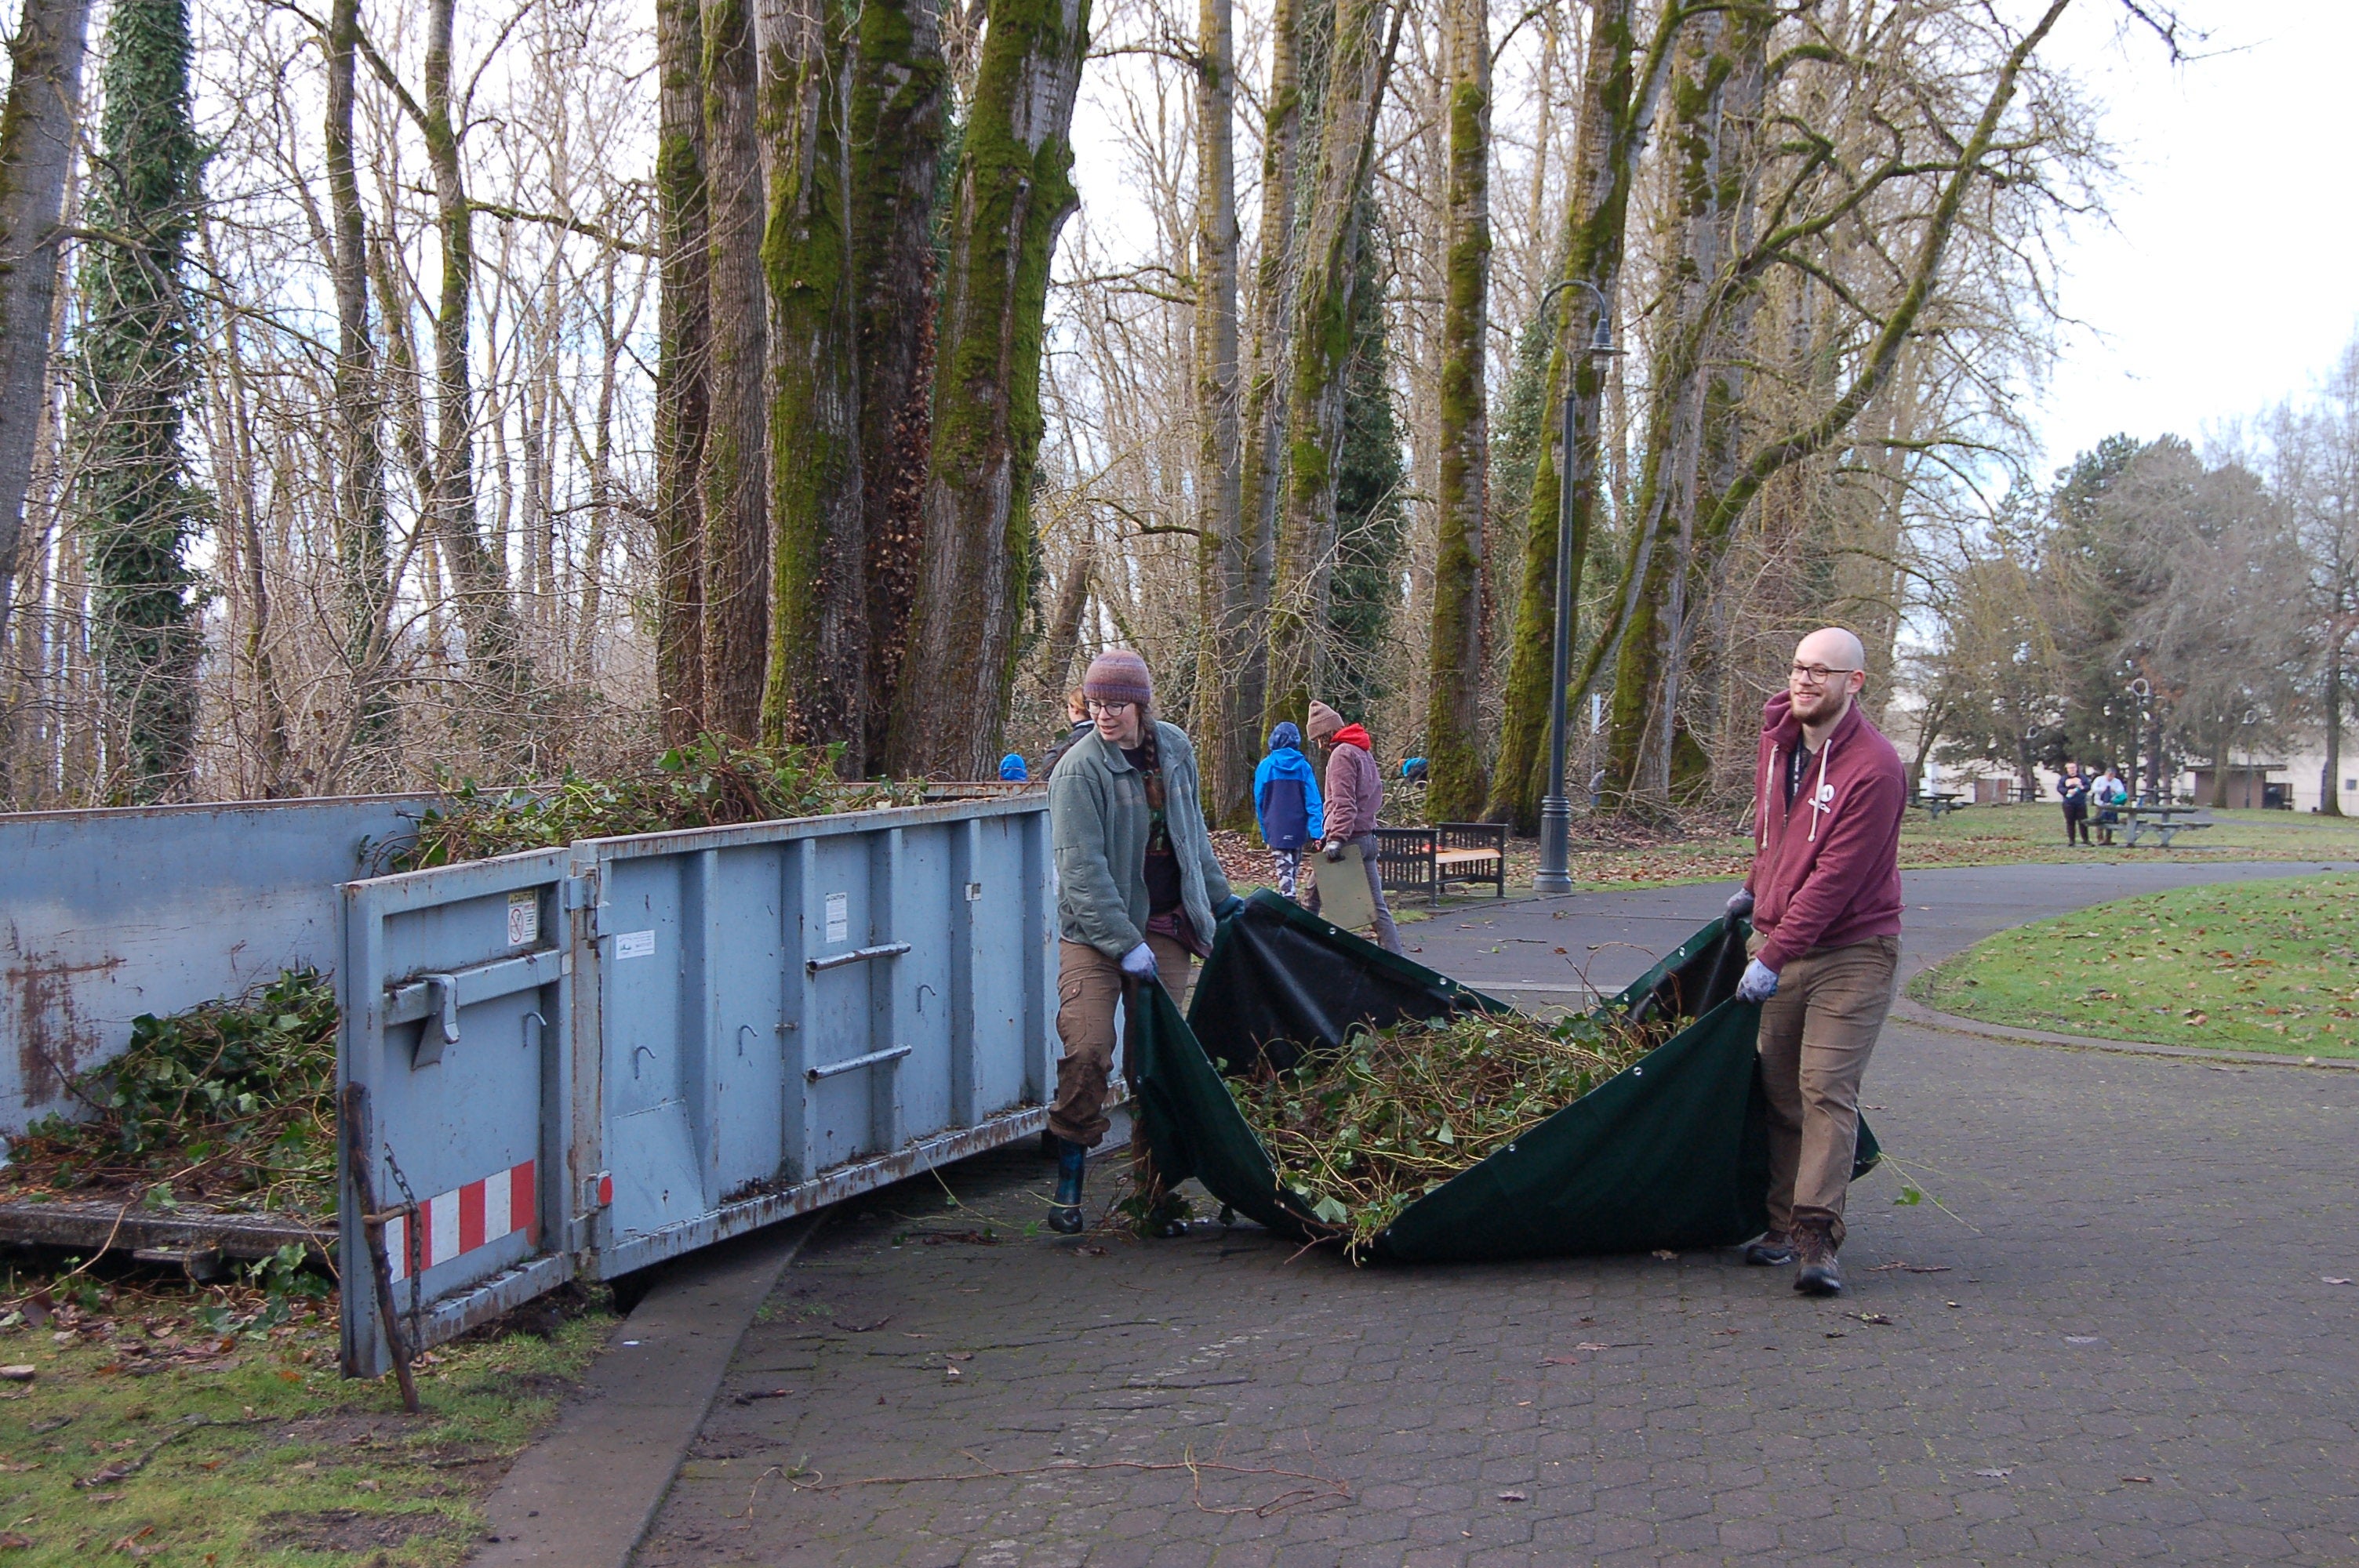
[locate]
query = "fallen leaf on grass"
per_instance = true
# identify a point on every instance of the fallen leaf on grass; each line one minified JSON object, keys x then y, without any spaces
{"x":112,"y":1473}
{"x":10,"y":1467}
{"x":11,"y":1541}
{"x":108,"y":1496}
{"x":129,"y":1544}
{"x":21,"y":1372}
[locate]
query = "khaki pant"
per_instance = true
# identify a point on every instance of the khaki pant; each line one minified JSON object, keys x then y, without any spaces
{"x":1816,"y":1035}
{"x":1089,"y":984}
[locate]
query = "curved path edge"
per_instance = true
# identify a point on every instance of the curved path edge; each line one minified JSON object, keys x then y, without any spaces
{"x":1908,"y":1009}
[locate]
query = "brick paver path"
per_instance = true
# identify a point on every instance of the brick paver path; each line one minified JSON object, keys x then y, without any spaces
{"x":2121,"y":1345}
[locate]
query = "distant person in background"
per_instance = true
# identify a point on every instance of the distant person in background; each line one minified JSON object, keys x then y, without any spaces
{"x":1077,"y":720}
{"x":2109,"y":796}
{"x":1286,"y":804}
{"x":1415,"y":770}
{"x":1356,"y":794}
{"x":1012,"y":770}
{"x":2074,"y":788}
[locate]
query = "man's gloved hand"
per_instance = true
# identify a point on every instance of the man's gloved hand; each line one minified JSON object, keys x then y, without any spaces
{"x":1334,"y":848}
{"x":1229,"y":908}
{"x":1139,"y":964}
{"x":1740,"y":905}
{"x":1759,"y":984}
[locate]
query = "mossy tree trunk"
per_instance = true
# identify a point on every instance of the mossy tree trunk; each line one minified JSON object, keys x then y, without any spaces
{"x":1222,"y":545}
{"x":1013,"y":193}
{"x":734,"y":480}
{"x":683,"y":394}
{"x":816,"y":679}
{"x":1243,"y":678}
{"x":1453,"y":748}
{"x":1618,"y":94}
{"x":899,"y":112}
{"x":132,"y":496}
{"x":36,"y":126}
{"x":1319,"y":352}
{"x":363,"y":561}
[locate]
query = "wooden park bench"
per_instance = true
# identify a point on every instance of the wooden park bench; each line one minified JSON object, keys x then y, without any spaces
{"x":1423,"y":860}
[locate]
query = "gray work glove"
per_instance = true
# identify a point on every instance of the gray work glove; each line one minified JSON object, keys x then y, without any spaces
{"x":1334,"y":848}
{"x":1139,"y":963}
{"x":1759,"y":984}
{"x":1740,"y":905}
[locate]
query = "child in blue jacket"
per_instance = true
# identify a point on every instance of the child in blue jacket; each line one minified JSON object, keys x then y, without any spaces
{"x":1287,"y":803}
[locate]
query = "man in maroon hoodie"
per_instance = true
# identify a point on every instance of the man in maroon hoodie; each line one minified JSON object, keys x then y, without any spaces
{"x":1824,"y":895}
{"x":1355,"y":793}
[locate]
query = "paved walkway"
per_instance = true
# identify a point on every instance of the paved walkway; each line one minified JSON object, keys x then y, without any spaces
{"x":2122,"y":1343}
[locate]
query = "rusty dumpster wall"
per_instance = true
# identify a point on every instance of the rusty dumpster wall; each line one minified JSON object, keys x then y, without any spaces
{"x":108,"y":914}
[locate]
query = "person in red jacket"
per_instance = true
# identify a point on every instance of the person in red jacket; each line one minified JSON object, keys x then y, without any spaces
{"x":1824,"y":896}
{"x":1356,"y":794}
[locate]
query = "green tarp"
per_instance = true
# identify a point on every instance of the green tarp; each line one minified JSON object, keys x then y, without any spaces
{"x":1671,"y":1152}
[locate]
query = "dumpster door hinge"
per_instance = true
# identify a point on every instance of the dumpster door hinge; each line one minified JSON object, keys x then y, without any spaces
{"x":581,"y":892}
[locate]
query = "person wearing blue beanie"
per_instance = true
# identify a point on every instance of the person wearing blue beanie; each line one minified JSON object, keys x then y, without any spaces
{"x":1011,"y":769}
{"x":1286,"y":804}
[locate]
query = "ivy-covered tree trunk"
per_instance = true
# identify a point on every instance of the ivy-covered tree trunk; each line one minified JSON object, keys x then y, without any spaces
{"x":132,"y":496}
{"x":1364,"y":587}
{"x":1243,"y":678}
{"x":734,"y":478}
{"x":817,"y":675}
{"x":899,"y":112}
{"x":1222,"y":543}
{"x":1013,"y":193}
{"x":1319,"y":355}
{"x":1617,"y":104}
{"x":363,"y":563}
{"x":683,"y":394}
{"x":36,"y":126}
{"x":1454,"y":669}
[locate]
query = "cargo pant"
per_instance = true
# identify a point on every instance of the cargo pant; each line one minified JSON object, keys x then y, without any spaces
{"x":1387,"y":934}
{"x":1286,"y":865}
{"x":1089,"y":984}
{"x":1816,"y":1035}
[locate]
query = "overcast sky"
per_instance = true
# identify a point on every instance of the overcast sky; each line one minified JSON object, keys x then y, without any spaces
{"x":2229,"y":279}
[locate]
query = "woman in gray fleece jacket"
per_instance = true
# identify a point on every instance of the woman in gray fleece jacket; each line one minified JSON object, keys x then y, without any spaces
{"x":1138,"y":891}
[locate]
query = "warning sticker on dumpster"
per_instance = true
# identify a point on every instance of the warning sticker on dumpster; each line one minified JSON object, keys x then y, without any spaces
{"x":524,"y":917}
{"x":635,"y":944}
{"x":839,"y":918}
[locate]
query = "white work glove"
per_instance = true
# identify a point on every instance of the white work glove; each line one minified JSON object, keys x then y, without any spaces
{"x":1139,"y":964}
{"x":1759,"y":984}
{"x":1334,"y":848}
{"x":1740,"y":905}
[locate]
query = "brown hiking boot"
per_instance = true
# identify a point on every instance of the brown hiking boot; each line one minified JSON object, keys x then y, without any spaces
{"x":1771,"y":1249}
{"x":1814,"y":1250}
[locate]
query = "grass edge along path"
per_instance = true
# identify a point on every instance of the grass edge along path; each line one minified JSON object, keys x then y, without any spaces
{"x":2262,"y":966}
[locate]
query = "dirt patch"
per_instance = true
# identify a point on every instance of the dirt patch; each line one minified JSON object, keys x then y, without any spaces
{"x":352,"y":1529}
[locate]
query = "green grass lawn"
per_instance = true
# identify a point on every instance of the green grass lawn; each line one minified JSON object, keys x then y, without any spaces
{"x":2269,"y":966}
{"x":184,"y":1427}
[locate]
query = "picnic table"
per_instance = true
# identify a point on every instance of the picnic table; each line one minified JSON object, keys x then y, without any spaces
{"x":2161,"y":823}
{"x":1423,"y":859}
{"x":1938,"y":802}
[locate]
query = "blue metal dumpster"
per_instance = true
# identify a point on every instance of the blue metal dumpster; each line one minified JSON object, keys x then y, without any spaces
{"x":578,"y":1061}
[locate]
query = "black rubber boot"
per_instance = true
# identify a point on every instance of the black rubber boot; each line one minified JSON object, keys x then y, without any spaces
{"x":1771,"y":1249}
{"x":1072,"y":1163}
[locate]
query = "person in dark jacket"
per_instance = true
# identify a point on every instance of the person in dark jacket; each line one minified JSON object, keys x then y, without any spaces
{"x":2073,"y":787}
{"x":1824,"y":898}
{"x":1286,"y":804}
{"x":1356,"y":794}
{"x":1077,"y":719}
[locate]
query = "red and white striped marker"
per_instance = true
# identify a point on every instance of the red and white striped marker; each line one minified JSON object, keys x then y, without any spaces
{"x":453,"y":1224}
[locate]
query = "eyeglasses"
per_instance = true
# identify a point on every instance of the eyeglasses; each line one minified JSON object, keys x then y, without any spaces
{"x":1816,"y":674}
{"x":1110,"y":709}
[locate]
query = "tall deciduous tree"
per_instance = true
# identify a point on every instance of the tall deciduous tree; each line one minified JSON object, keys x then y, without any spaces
{"x":36,"y":131}
{"x":1453,"y":746}
{"x":1013,"y":194}
{"x":1222,"y":546}
{"x":133,"y":497}
{"x":683,"y":393}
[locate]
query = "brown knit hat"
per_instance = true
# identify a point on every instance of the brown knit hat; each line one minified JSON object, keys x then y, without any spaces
{"x":1324,"y":721}
{"x":1119,"y":675}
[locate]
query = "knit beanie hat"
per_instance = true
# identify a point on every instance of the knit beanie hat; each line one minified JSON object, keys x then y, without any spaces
{"x":1119,"y":675}
{"x":1285,"y":735}
{"x":1324,"y":721}
{"x":1012,"y":770}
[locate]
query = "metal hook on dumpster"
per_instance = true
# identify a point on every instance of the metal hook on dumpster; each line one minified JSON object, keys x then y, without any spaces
{"x":534,"y":1027}
{"x":743,"y":1031}
{"x":635,"y":1058}
{"x":922,"y":998}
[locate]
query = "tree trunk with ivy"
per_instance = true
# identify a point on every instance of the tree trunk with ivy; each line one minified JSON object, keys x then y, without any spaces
{"x":1618,"y":102}
{"x":899,"y":115}
{"x":132,"y":498}
{"x":1221,"y":549}
{"x":1012,"y":195}
{"x":36,"y":128}
{"x":1453,"y":748}
{"x":1319,"y":355}
{"x":817,"y":674}
{"x":734,"y":476}
{"x":683,"y":394}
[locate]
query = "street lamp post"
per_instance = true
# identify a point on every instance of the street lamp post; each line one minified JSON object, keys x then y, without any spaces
{"x":1555,"y":874}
